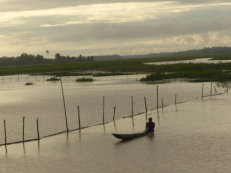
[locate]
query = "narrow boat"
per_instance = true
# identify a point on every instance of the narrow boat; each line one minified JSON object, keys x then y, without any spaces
{"x":131,"y":136}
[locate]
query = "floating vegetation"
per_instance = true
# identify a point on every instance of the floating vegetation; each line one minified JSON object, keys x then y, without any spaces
{"x":109,"y":74}
{"x":53,"y":79}
{"x":193,"y":75}
{"x":29,"y":83}
{"x":85,"y":79}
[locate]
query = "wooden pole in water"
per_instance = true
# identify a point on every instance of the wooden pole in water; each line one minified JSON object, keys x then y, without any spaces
{"x":64,"y":105}
{"x":157,"y":98}
{"x":162,"y":103}
{"x":146,"y":109}
{"x":227,"y":88}
{"x":23,"y":129}
{"x":38,"y":129}
{"x":103,"y":108}
{"x":114,"y":113}
{"x":132,"y":104}
{"x":79,"y":118}
{"x":211,"y":90}
{"x":175,"y":102}
{"x":202,"y":93}
{"x":5,"y":133}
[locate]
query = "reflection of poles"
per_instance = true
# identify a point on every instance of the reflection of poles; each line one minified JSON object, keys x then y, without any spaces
{"x":133,"y":123}
{"x":64,"y":105}
{"x":114,"y":125}
{"x":146,"y":109}
{"x":162,"y":103}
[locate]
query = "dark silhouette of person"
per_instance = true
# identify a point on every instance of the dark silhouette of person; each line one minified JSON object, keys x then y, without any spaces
{"x":150,"y":125}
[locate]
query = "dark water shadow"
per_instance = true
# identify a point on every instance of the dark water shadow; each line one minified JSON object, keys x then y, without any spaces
{"x":24,"y":148}
{"x":6,"y":149}
{"x":122,"y":142}
{"x":104,"y":129}
{"x":39,"y":147}
{"x":67,"y":139}
{"x":80,"y":137}
{"x":114,"y":125}
{"x":133,"y":123}
{"x":158,"y":118}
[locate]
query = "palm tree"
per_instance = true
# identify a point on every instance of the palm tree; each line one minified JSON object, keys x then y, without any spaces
{"x":47,"y":52}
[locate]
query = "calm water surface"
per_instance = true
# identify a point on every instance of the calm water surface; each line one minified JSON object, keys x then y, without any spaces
{"x":43,"y":100}
{"x":194,"y":61}
{"x":195,"y":138}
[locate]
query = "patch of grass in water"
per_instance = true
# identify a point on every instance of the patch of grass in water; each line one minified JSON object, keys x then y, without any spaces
{"x":85,"y":79}
{"x":29,"y":83}
{"x":109,"y":74}
{"x":194,"y":76}
{"x":53,"y":79}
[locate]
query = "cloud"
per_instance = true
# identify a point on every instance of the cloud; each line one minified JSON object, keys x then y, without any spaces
{"x":101,"y":13}
{"x":104,"y":27}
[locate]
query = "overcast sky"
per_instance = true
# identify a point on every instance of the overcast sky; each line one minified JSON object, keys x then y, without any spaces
{"x":99,"y":27}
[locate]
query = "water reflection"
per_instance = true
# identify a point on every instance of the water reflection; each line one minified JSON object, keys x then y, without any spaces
{"x":104,"y":128}
{"x":67,"y":139}
{"x":133,"y":123}
{"x":6,"y":149}
{"x":150,"y":137}
{"x":80,"y":137}
{"x":114,"y":123}
{"x":158,"y":118}
{"x":39,"y":147}
{"x":24,"y":149}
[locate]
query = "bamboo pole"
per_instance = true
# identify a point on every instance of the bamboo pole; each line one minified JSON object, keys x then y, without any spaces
{"x":5,"y":135}
{"x":132,"y":105}
{"x":175,"y":102}
{"x":114,"y":113}
{"x":23,"y":129}
{"x":79,"y":118}
{"x":211,"y":90}
{"x":227,"y":88}
{"x":202,"y":92}
{"x":103,"y":108}
{"x":157,"y":98}
{"x":64,"y":105}
{"x":146,"y":109}
{"x":38,"y":129}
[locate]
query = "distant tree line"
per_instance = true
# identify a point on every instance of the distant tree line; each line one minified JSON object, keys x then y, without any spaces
{"x":29,"y":59}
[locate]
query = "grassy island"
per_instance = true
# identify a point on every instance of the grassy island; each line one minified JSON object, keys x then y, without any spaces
{"x":85,"y":79}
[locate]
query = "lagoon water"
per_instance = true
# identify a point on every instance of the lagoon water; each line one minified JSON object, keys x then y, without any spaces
{"x":43,"y":100}
{"x":195,"y":138}
{"x":194,"y":61}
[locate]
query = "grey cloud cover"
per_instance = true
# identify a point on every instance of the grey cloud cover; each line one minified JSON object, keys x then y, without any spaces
{"x":62,"y":27}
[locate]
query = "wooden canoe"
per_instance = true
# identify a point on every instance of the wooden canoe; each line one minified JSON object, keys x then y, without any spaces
{"x":131,"y":136}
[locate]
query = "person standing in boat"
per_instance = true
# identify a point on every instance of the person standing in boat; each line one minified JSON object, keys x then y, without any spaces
{"x":150,"y":125}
